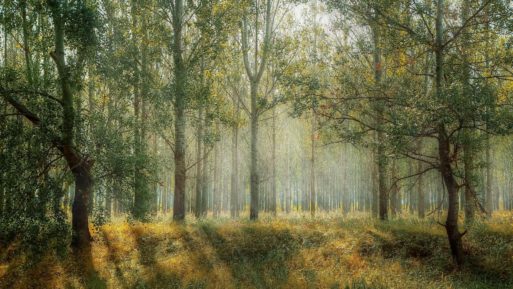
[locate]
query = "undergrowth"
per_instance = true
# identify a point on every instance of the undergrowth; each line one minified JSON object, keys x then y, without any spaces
{"x":271,"y":253}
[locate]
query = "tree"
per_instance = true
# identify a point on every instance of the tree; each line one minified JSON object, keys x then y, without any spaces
{"x":254,"y":73}
{"x":78,"y":163}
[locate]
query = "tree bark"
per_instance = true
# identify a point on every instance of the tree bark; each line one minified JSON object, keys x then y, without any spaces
{"x":468,"y":145}
{"x":273,"y":180}
{"x":80,"y":168}
{"x":394,"y":200}
{"x":313,"y":193}
{"x":444,"y":149}
{"x":255,"y":76}
{"x":488,"y":149}
{"x":79,"y":165}
{"x":199,"y":172}
{"x":234,"y":196}
{"x":421,"y":198}
{"x":254,"y":182}
{"x":451,"y":224}
{"x":203,"y":209}
{"x":180,"y":119}
{"x":381,"y":158}
{"x":489,"y":178}
{"x":468,"y":163}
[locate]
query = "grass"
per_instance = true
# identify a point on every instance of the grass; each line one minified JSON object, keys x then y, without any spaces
{"x":296,"y":252}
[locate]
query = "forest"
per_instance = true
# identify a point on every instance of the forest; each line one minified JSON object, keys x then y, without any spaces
{"x":256,"y":144}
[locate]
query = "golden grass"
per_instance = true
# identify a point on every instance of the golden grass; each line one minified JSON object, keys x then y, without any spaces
{"x":273,"y":253}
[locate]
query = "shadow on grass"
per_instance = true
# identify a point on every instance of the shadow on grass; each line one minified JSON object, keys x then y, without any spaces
{"x":255,"y":254}
{"x":40,"y":270}
{"x":114,"y":257}
{"x":401,"y":243}
{"x":483,"y":267}
{"x":84,"y":269}
{"x":152,"y":248}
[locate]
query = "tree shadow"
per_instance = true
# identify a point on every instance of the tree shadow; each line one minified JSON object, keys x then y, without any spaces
{"x":152,"y":249}
{"x":115,"y":259}
{"x":85,"y":270}
{"x":392,"y":243}
{"x":146,"y":246}
{"x":256,"y":255}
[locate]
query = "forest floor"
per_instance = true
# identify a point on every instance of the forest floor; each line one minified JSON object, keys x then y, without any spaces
{"x":292,"y":252}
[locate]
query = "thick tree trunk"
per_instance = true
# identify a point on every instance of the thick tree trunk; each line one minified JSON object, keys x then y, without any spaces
{"x":83,"y":186}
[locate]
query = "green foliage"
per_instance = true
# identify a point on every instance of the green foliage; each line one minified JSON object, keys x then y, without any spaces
{"x":80,"y":24}
{"x":31,"y":182}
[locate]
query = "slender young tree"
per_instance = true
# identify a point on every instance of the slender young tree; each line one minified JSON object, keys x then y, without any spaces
{"x":180,"y":82}
{"x":254,"y":73}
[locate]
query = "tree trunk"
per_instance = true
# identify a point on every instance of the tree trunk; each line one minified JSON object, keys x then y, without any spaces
{"x":489,"y":178}
{"x":313,"y":193}
{"x":254,"y":182}
{"x":444,"y":150}
{"x":83,"y":186}
{"x":451,"y":224}
{"x":468,"y":146}
{"x":199,"y":171}
{"x":79,"y":166}
{"x":26,"y":45}
{"x":203,"y":205}
{"x":273,"y":180}
{"x":468,"y":164}
{"x":382,"y":189}
{"x":180,"y":119}
{"x":255,"y":75}
{"x":234,"y":196}
{"x":216,"y":195}
{"x":488,"y":150}
{"x":375,"y":184}
{"x":394,"y":204}
{"x":421,"y":198}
